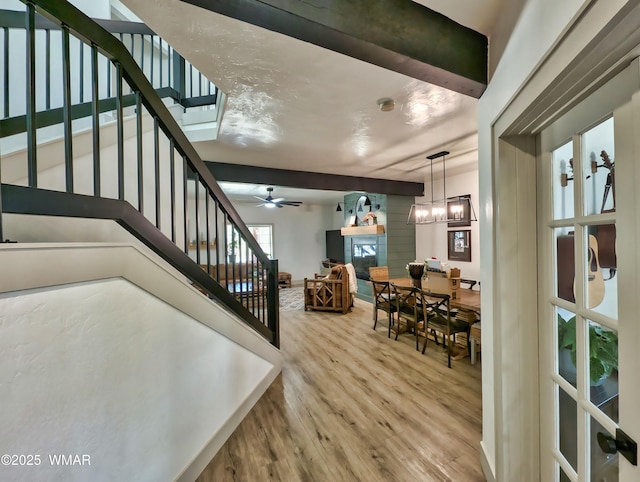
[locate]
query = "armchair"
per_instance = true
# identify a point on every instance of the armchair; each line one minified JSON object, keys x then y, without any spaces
{"x":328,"y":293}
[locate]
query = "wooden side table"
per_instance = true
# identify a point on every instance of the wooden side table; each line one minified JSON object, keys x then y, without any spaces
{"x":284,"y":279}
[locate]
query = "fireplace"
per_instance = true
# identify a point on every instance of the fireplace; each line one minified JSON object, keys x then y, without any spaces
{"x":363,"y":255}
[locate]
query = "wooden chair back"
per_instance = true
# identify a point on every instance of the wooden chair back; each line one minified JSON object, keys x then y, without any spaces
{"x":408,"y":308}
{"x":383,"y":300}
{"x":379,"y":273}
{"x":439,"y":319}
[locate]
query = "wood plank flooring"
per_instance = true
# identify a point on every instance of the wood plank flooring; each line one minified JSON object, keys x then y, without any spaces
{"x":353,"y":405}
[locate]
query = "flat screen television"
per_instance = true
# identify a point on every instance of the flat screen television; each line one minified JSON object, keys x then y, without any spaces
{"x":335,"y":246}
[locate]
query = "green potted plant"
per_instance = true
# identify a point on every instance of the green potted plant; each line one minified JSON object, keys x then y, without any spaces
{"x":603,"y":348}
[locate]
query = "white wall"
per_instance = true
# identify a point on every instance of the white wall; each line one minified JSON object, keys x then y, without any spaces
{"x":108,"y":369}
{"x":93,"y":8}
{"x":542,"y":24}
{"x":431,"y":239}
{"x":298,"y":234}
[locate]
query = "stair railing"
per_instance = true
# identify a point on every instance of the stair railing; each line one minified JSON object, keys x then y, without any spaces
{"x":167,"y":197}
{"x":169,"y":73}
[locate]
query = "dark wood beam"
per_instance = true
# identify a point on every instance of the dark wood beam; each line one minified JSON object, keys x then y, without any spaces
{"x":311,"y":180}
{"x":399,"y":35}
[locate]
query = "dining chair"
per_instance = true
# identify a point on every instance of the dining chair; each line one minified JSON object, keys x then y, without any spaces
{"x":379,"y":273}
{"x":383,"y":299}
{"x":437,"y":312}
{"x":409,"y":310}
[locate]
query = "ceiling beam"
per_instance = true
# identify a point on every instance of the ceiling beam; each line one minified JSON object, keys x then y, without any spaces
{"x":311,"y":180}
{"x":399,"y":35}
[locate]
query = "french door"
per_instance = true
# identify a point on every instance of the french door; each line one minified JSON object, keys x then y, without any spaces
{"x":589,"y":304}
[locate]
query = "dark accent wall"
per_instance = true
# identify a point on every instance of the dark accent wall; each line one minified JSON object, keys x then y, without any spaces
{"x":396,"y":247}
{"x":401,"y":237}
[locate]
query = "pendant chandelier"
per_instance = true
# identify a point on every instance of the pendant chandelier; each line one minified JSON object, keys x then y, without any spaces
{"x":457,"y":209}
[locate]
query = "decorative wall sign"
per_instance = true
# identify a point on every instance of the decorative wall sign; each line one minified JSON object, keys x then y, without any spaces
{"x":459,"y":245}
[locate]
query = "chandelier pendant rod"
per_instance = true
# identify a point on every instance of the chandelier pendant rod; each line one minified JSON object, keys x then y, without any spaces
{"x":444,"y":185}
{"x":431,"y":179}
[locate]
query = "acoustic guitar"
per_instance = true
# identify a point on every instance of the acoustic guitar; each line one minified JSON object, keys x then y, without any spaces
{"x":595,"y":280}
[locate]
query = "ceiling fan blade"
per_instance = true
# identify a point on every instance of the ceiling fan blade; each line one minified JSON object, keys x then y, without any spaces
{"x":261,"y":199}
{"x":277,"y":200}
{"x":291,"y":203}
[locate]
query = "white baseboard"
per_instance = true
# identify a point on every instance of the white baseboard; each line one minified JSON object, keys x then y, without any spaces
{"x":200,"y":462}
{"x":487,"y":468}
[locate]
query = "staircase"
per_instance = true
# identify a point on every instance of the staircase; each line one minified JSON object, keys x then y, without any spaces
{"x":150,"y":166}
{"x":97,"y":171}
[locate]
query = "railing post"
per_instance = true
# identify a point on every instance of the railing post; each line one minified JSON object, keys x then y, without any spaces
{"x":6,"y":72}
{"x":47,"y":64}
{"x":179,"y":75}
{"x":30,"y":26}
{"x":172,"y":182}
{"x":66,"y":109}
{"x":1,"y":231}
{"x":197,"y":214}
{"x":120,"y":131}
{"x":139,"y":152}
{"x":273,"y":302}
{"x":95,"y":119}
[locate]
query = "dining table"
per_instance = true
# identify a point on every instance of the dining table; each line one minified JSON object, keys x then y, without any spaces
{"x":466,"y":301}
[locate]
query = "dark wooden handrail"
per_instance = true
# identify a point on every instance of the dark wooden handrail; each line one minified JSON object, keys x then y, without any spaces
{"x":26,"y":200}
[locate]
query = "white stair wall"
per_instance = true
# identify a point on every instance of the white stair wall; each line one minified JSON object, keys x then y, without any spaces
{"x":51,"y":169}
{"x":109,"y":354}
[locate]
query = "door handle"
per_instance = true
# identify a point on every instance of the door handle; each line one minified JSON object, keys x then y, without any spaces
{"x":622,"y":443}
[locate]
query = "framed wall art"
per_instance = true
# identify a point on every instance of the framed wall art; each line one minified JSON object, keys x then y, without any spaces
{"x":459,"y":245}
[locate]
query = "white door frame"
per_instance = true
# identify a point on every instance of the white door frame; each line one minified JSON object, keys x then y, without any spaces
{"x":592,"y":51}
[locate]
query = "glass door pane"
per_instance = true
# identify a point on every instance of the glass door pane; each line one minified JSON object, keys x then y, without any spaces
{"x":598,"y":167}
{"x":562,"y":168}
{"x":584,"y":302}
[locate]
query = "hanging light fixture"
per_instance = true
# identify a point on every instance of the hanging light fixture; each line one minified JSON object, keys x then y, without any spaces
{"x":456,"y":209}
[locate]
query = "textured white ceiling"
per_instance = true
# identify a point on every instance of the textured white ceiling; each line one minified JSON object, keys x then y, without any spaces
{"x":294,"y":105}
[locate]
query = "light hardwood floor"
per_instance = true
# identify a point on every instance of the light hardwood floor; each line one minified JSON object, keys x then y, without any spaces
{"x":353,"y":405}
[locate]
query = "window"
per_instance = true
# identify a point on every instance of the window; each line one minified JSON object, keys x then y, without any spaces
{"x":263,"y":234}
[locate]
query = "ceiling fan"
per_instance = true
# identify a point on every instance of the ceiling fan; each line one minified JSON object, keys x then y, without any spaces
{"x":270,"y":202}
